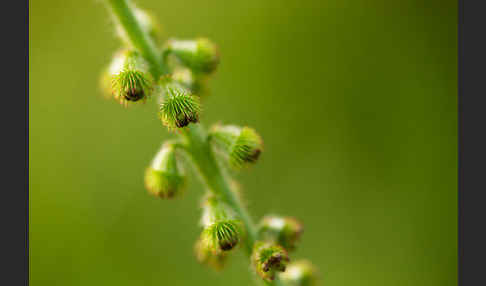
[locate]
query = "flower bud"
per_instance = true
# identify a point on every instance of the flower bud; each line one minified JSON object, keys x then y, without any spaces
{"x":163,"y":178}
{"x":179,"y":108}
{"x":147,"y":22}
{"x":242,"y":145}
{"x":299,"y":273}
{"x":268,"y":258}
{"x":200,"y":55}
{"x":285,"y":231}
{"x":205,"y":255}
{"x":222,"y":235}
{"x":130,"y":77}
{"x":221,"y":231}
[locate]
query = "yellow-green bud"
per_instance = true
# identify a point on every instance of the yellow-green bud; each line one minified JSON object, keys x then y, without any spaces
{"x":285,"y":231}
{"x":130,"y":77}
{"x":221,"y":235}
{"x":200,"y":55}
{"x":268,"y":259}
{"x":242,"y":145}
{"x":205,"y":255}
{"x":164,"y":178}
{"x":299,"y":273}
{"x":179,"y":107}
{"x":221,"y":231}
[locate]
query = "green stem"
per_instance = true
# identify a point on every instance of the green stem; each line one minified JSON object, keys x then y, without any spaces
{"x":197,"y":144}
{"x":123,"y":12}
{"x":217,"y":182}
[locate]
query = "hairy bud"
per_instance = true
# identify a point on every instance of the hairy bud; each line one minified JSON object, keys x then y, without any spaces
{"x":130,"y":77}
{"x":299,"y":273}
{"x":206,"y":255}
{"x":179,"y":108}
{"x":268,"y":259}
{"x":222,"y":235}
{"x":285,"y":231}
{"x":163,"y":178}
{"x":221,"y":231}
{"x":242,"y":145}
{"x":200,"y":55}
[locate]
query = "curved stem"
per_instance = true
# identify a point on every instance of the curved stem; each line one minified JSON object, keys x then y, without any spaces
{"x":197,"y":144}
{"x":217,"y":182}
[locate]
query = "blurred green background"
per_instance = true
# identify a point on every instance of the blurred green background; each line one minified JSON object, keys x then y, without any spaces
{"x":355,"y":99}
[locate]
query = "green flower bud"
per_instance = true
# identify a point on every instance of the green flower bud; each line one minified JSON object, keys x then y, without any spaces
{"x":130,"y":77}
{"x":299,"y":273}
{"x":147,"y":22}
{"x":179,"y":108}
{"x":200,"y":55}
{"x":221,"y":231}
{"x":285,"y":231}
{"x":242,"y":145}
{"x":205,"y":255}
{"x":221,"y":235}
{"x":268,"y":258}
{"x":163,"y":178}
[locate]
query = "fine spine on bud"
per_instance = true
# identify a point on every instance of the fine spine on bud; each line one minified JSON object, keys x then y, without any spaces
{"x":164,"y":178}
{"x":200,"y":55}
{"x":221,"y":231}
{"x":268,"y":259}
{"x":222,"y":235}
{"x":299,"y":273}
{"x":285,"y":231}
{"x":179,"y":107}
{"x":242,"y":145}
{"x":130,"y":77}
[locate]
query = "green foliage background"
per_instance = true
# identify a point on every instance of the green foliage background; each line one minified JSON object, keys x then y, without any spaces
{"x":355,"y":99}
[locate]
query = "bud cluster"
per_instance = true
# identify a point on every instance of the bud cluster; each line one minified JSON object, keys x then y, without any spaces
{"x":186,"y":67}
{"x":279,"y":236}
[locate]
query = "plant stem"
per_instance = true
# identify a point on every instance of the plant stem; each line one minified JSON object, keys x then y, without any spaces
{"x":217,"y":182}
{"x":195,"y":136}
{"x":125,"y":16}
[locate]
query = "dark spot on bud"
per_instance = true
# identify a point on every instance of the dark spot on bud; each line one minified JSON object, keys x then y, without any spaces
{"x":184,"y":120}
{"x":134,"y":95}
{"x":273,"y":261}
{"x":227,"y":245}
{"x":253,"y":157}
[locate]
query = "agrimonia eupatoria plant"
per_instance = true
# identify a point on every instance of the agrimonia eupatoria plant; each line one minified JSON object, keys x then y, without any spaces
{"x":176,"y":74}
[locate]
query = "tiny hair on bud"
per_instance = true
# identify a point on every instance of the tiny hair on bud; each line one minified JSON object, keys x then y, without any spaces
{"x":179,"y":108}
{"x":163,"y":178}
